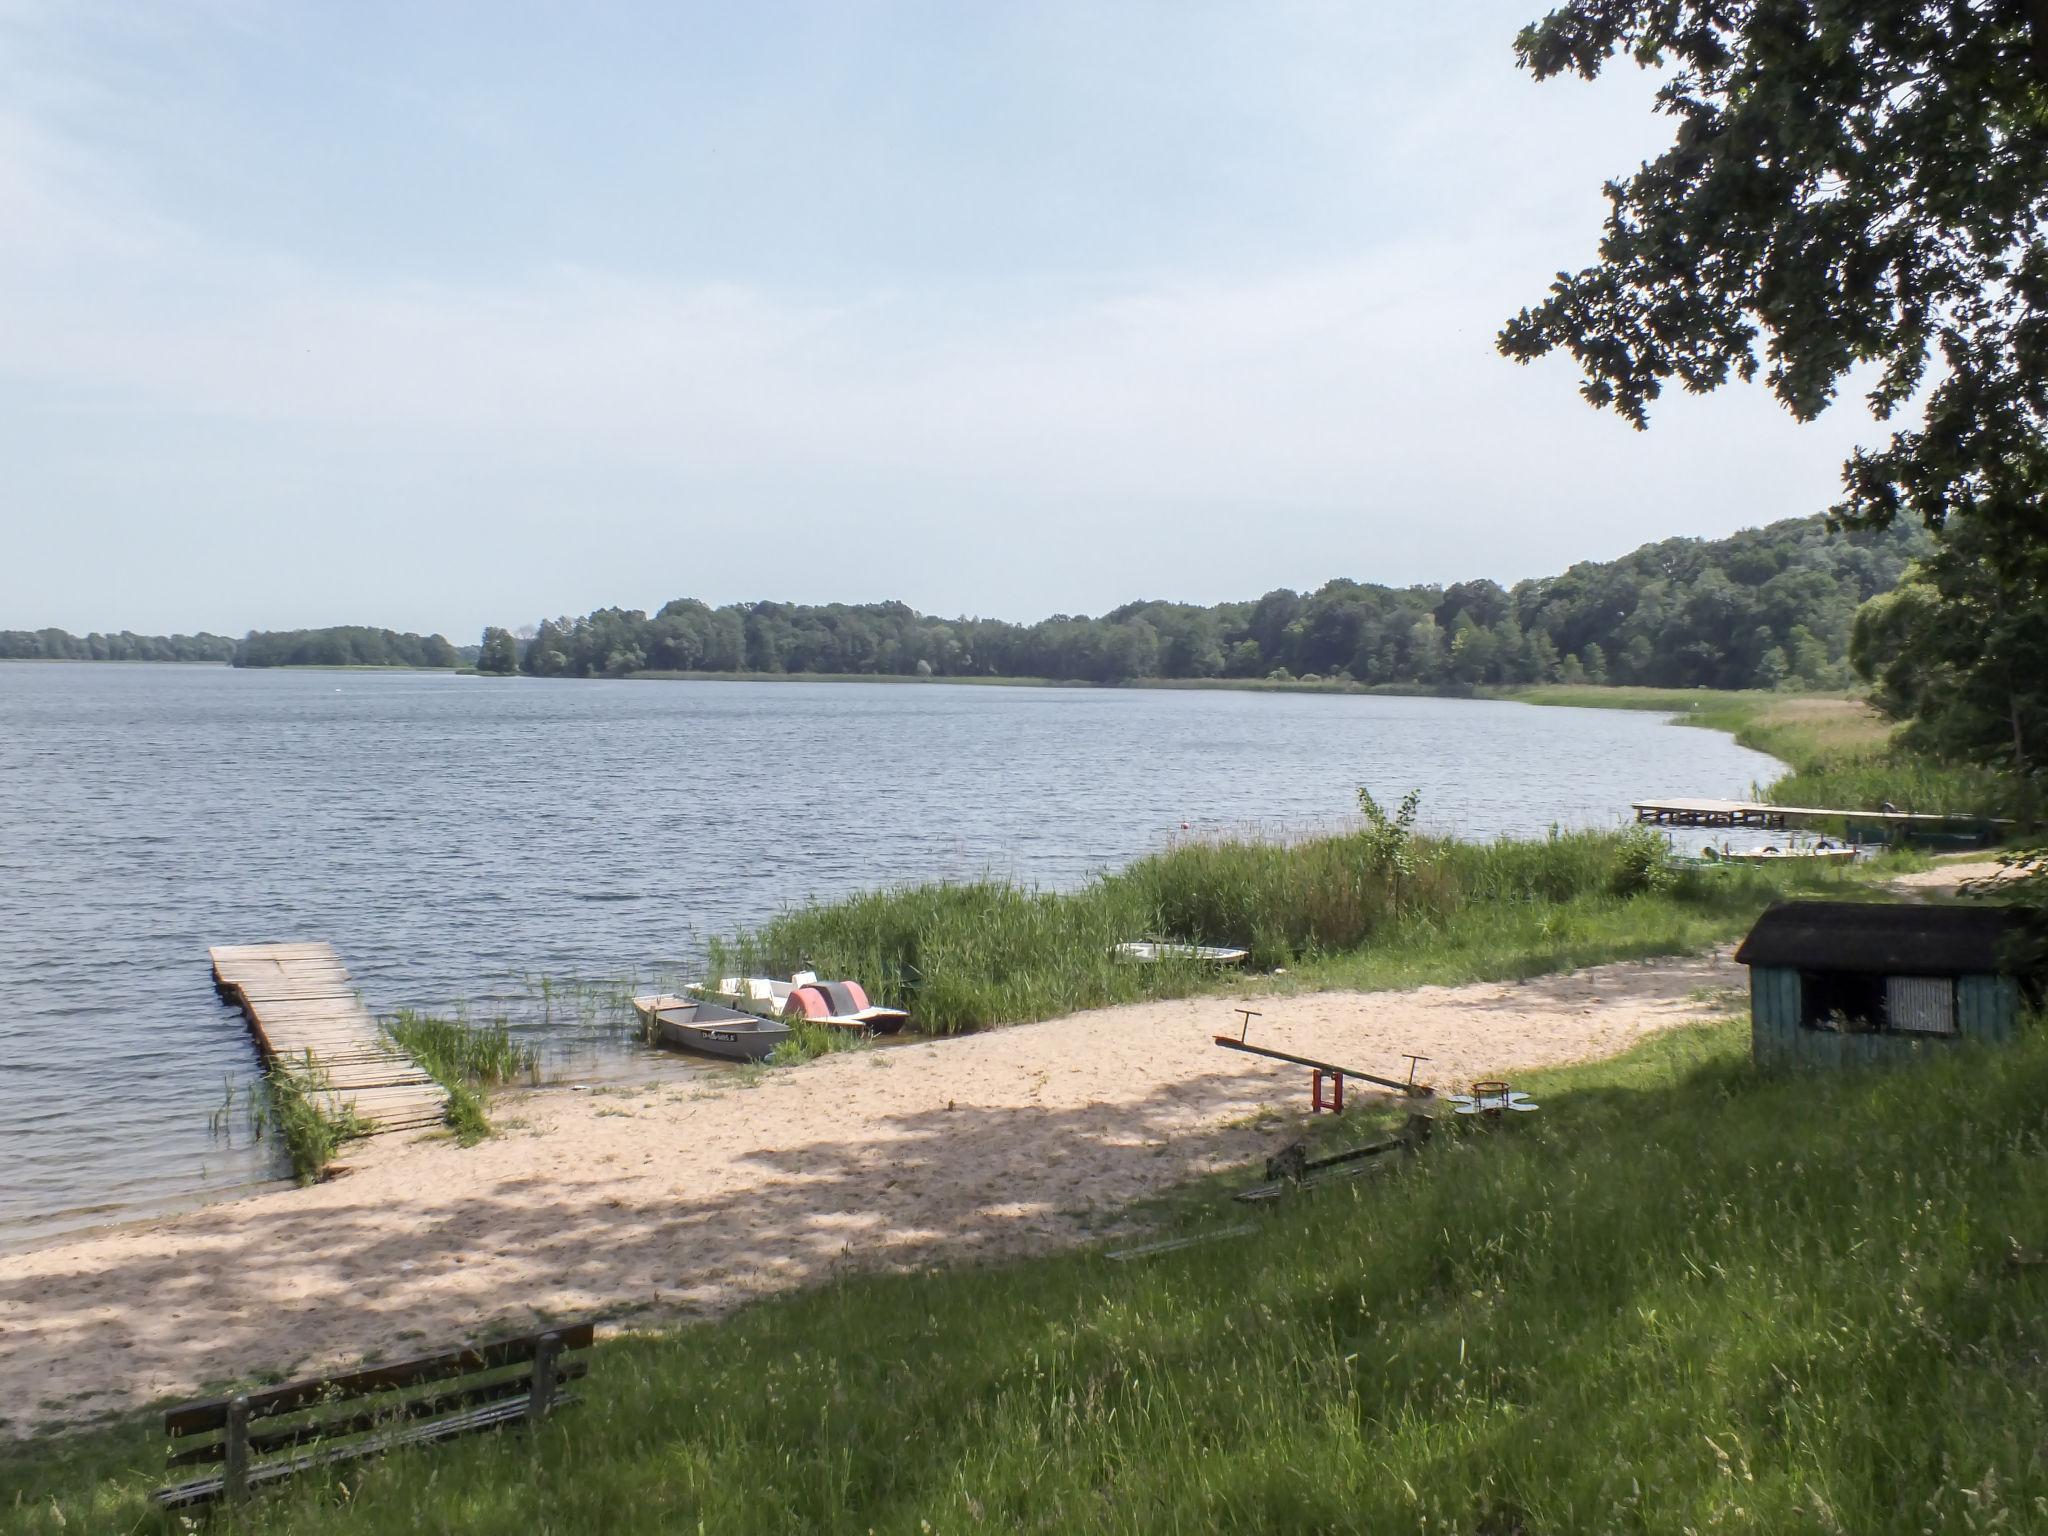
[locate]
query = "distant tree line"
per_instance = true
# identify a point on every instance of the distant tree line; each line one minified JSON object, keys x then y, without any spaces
{"x":1765,"y":608}
{"x":343,"y":645}
{"x":57,"y":645}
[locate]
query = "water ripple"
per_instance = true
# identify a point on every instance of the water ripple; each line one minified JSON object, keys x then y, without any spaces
{"x":454,"y":837}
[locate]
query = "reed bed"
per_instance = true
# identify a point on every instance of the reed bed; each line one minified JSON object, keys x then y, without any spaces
{"x":311,"y":1133}
{"x":1839,"y":750}
{"x":809,"y":1041}
{"x":468,"y":1060}
{"x":965,"y":957}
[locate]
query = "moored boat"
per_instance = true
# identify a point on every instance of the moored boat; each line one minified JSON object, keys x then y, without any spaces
{"x":690,"y":1023}
{"x":1151,"y":952}
{"x":1823,"y":852}
{"x":840,"y":1004}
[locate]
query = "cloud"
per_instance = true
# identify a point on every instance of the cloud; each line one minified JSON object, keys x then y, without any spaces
{"x":1342,"y":412}
{"x":1286,"y":387}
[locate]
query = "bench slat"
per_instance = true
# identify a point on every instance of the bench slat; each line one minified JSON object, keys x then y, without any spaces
{"x":197,"y":1418}
{"x":310,"y":1431}
{"x":206,"y":1489}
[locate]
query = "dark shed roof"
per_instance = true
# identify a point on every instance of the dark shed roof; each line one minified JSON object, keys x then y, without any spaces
{"x":1892,"y":938}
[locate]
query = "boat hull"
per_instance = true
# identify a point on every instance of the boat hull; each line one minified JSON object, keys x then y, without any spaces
{"x":806,"y":1001}
{"x":1151,"y":952}
{"x":690,"y":1025}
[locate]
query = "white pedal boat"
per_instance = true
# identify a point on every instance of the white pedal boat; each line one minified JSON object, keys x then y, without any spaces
{"x":841,"y":1004}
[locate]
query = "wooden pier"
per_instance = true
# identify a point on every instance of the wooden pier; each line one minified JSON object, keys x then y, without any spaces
{"x":299,"y":1003}
{"x":1776,"y":818}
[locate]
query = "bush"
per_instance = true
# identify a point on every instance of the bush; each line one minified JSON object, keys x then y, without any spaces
{"x":1641,"y":864}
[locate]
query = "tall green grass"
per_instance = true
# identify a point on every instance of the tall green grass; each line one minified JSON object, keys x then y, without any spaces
{"x":1840,"y":751}
{"x":1680,"y":1298}
{"x":311,"y":1132}
{"x":963,"y":957}
{"x":468,"y":1060}
{"x":809,"y":1041}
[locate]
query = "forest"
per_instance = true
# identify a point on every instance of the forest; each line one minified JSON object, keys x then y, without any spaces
{"x":1766,"y":608}
{"x":343,"y":645}
{"x":56,"y":645}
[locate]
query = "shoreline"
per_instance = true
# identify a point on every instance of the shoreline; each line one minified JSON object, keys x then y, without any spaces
{"x":1604,"y":943}
{"x":669,"y":1204}
{"x":1676,"y":701}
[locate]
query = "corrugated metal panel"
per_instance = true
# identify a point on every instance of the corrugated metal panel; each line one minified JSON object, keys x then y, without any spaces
{"x":1921,"y":1005}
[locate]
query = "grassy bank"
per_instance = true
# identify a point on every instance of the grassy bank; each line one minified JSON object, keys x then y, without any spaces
{"x":1839,"y":750}
{"x":668,"y":676}
{"x":1328,"y":911}
{"x":1177,"y":684}
{"x":1680,"y":1297}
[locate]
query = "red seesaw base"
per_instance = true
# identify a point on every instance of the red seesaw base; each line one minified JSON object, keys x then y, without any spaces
{"x":1317,"y":1103}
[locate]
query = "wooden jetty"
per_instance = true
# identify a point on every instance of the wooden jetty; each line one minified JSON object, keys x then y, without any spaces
{"x":1776,"y":818}
{"x":299,"y":1003}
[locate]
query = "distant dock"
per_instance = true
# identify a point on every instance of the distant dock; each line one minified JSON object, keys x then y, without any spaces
{"x":1776,"y":818}
{"x":300,"y":1002}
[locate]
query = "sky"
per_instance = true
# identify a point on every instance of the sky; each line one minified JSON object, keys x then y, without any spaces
{"x":436,"y":314}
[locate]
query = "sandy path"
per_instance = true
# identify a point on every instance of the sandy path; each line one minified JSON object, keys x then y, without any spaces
{"x":1946,"y":879}
{"x":678,"y":1201}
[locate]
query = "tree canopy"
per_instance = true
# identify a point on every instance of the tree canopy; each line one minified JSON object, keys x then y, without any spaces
{"x":1849,"y":186}
{"x":343,"y":645}
{"x":58,"y":645}
{"x":499,"y":652}
{"x":1764,"y":607}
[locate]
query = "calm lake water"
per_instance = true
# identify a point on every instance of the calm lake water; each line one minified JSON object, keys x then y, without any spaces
{"x":459,"y":838}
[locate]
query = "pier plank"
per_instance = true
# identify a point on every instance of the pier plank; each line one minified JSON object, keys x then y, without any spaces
{"x":300,"y":1003}
{"x":1693,"y":812}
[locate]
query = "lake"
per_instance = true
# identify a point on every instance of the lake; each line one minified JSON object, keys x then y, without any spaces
{"x":459,"y":839}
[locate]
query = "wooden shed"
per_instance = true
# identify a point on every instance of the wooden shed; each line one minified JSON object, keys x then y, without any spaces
{"x":1833,"y":983}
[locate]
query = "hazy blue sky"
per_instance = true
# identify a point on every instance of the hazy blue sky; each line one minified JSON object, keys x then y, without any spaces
{"x":433,"y":315}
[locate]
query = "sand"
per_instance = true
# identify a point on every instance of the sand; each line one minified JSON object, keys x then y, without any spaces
{"x":1946,"y":879}
{"x":642,"y":1205}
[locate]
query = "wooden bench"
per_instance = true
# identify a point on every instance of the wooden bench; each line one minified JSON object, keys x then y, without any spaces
{"x":256,"y":1437}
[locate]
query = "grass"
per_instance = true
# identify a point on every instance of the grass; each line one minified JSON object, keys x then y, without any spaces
{"x":466,"y":1059}
{"x":1839,"y":749}
{"x":809,"y":1041}
{"x":312,"y":1133}
{"x":1327,"y":910}
{"x":653,"y":674}
{"x":1681,"y":1297}
{"x":1182,"y":684}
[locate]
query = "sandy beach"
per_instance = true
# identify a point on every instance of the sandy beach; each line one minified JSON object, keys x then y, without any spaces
{"x":666,"y":1202}
{"x":1948,"y":877}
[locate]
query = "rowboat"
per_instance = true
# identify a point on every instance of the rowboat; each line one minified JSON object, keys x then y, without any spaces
{"x":1819,"y":854}
{"x":1150,"y":952}
{"x":840,"y":1004}
{"x":691,"y":1024}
